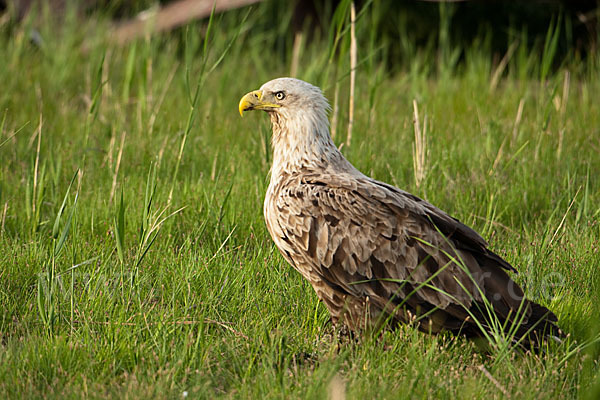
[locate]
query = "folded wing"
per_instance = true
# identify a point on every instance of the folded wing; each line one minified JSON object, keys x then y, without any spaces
{"x":363,"y":239}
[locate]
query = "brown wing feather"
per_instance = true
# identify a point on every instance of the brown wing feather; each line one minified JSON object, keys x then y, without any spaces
{"x":369,"y":248}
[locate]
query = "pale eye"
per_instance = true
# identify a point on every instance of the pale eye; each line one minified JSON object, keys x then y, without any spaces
{"x":280,"y":96}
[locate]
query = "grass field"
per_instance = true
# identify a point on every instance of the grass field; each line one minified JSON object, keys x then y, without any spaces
{"x":134,"y":260}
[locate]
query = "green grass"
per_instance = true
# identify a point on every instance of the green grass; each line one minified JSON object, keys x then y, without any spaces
{"x":134,"y":260}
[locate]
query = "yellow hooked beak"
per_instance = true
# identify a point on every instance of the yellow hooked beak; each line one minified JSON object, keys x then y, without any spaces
{"x":254,"y":101}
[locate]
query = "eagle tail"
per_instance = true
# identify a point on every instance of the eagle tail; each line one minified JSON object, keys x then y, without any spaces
{"x":540,"y":328}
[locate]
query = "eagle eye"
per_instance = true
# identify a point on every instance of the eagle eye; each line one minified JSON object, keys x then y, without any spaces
{"x":280,"y":95}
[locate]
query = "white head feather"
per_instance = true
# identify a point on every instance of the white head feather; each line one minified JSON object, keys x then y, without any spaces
{"x":300,"y":127}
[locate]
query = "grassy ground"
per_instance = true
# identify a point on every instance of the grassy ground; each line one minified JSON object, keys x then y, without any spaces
{"x":134,"y":261}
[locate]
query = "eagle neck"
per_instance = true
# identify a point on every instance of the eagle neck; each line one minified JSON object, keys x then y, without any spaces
{"x":301,"y":140}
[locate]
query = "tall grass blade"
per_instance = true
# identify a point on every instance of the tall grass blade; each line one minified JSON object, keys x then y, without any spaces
{"x":56,"y":225}
{"x":119,"y":226}
{"x":65,"y":231}
{"x":353,"y":50}
{"x":550,"y":47}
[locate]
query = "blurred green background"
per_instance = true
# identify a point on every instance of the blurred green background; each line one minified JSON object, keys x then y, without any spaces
{"x":134,"y":260}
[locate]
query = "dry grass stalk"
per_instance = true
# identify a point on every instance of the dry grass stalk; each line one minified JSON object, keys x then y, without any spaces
{"x":561,"y":137}
{"x":106,"y":86}
{"x":79,"y":181}
{"x":179,"y":156}
{"x":37,"y":163}
{"x":296,"y":53}
{"x":514,"y":137}
{"x":494,"y":381}
{"x":161,"y":151}
{"x":3,"y":217}
{"x":563,"y":110}
{"x":111,"y":150}
{"x":420,"y":146}
{"x":565,"y":93}
{"x":502,"y":66}
{"x":518,"y":119}
{"x":334,"y":117}
{"x":116,"y":173}
{"x":352,"y":71}
{"x":562,"y":221}
{"x":213,"y":170}
{"x":498,"y":156}
{"x":161,"y":98}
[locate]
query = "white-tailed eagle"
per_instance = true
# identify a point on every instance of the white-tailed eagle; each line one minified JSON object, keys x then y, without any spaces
{"x":372,"y":252}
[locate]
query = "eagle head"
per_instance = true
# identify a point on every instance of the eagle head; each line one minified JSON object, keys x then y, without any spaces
{"x":298,"y":112}
{"x":286,"y":97}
